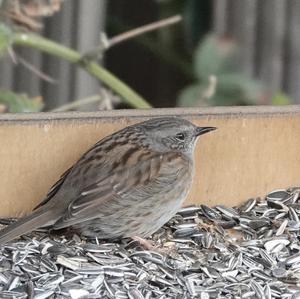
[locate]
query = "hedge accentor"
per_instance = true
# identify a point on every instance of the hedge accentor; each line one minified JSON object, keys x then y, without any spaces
{"x":128,"y":184}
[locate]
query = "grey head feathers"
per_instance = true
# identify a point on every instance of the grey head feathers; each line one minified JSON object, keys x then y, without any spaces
{"x":170,"y":134}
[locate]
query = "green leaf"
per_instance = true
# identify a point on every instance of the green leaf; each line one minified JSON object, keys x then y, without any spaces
{"x":192,"y":96}
{"x":16,"y":103}
{"x":5,"y":38}
{"x":238,"y":89}
{"x":231,"y":89}
{"x":281,"y":98}
{"x":214,"y":56}
{"x":218,"y":56}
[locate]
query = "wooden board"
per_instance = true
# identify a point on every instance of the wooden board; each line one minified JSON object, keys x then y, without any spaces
{"x":254,"y":150}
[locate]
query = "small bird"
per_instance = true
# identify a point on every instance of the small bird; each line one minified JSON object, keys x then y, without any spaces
{"x":128,"y":184}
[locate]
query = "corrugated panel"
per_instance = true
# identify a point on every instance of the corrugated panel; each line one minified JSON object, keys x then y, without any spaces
{"x":292,"y":63}
{"x":270,"y":43}
{"x":77,"y":25}
{"x":268,"y":34}
{"x":242,"y":26}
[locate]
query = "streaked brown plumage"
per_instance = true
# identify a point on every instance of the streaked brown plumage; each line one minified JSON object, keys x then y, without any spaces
{"x":128,"y":184}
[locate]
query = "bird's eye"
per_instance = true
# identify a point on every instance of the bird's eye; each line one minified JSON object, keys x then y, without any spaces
{"x":180,"y":136}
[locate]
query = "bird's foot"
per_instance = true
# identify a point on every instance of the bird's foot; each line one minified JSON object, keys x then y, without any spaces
{"x":150,"y":246}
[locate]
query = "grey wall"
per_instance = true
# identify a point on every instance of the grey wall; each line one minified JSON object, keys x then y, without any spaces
{"x":77,"y":25}
{"x":268,"y":33}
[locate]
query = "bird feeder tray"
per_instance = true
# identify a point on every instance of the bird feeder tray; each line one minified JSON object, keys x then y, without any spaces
{"x":254,"y":151}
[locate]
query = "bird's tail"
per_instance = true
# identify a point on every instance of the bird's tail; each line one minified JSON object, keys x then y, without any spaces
{"x":25,"y":225}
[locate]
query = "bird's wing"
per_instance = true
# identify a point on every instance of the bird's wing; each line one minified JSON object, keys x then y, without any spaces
{"x":83,"y":163}
{"x":141,"y":169}
{"x":54,"y":189}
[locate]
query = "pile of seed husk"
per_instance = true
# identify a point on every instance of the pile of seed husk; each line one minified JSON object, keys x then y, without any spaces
{"x":252,"y":251}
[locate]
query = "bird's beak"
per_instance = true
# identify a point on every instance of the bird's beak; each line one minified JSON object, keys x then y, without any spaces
{"x":204,"y":130}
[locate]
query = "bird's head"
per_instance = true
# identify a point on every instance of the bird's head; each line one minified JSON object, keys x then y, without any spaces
{"x":173,"y":133}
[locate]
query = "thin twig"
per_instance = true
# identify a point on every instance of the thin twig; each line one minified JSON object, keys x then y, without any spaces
{"x":12,"y":54}
{"x":78,"y":103}
{"x":106,"y":43}
{"x":33,"y":69}
{"x":163,"y":52}
{"x":143,"y":29}
{"x":21,"y":18}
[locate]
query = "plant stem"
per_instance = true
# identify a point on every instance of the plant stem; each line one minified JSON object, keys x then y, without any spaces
{"x":78,"y":103}
{"x":45,"y":45}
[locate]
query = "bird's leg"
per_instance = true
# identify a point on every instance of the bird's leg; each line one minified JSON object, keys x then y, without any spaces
{"x":149,"y":245}
{"x":146,"y":244}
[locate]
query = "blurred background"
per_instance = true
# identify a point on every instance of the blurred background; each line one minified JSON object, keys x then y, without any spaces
{"x":223,"y":52}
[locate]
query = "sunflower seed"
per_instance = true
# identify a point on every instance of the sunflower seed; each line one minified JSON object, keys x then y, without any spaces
{"x":282,"y":227}
{"x":252,"y":251}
